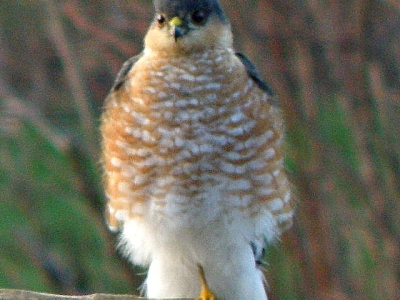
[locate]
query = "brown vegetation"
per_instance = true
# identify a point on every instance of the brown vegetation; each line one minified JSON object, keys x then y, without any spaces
{"x":335,"y":67}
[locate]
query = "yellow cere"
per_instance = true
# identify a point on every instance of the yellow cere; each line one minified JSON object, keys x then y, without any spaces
{"x":175,"y":21}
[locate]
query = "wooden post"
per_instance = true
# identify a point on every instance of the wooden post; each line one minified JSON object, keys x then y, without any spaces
{"x":29,"y":295}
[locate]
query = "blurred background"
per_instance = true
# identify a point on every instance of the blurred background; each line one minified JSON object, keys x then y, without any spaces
{"x":335,"y":67}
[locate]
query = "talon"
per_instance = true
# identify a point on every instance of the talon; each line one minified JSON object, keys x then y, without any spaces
{"x":206,"y":293}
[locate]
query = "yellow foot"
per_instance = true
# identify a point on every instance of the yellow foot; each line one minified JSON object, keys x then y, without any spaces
{"x":206,"y":293}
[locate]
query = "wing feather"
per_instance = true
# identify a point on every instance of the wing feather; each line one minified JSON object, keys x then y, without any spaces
{"x":126,"y":67}
{"x":255,"y":75}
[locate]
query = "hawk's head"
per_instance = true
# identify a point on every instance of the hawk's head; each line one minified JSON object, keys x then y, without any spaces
{"x":188,"y":26}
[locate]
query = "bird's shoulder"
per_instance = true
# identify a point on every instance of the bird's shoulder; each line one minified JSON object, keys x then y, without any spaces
{"x":251,"y":70}
{"x":126,"y":67}
{"x":253,"y":73}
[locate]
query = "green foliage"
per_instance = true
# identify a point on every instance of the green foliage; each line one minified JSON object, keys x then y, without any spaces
{"x":335,"y":132}
{"x":51,"y":238}
{"x":335,"y":68}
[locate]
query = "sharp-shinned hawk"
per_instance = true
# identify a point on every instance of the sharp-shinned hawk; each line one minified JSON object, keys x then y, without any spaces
{"x":193,"y":157}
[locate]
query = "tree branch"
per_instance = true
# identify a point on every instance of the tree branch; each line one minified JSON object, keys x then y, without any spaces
{"x":25,"y":295}
{"x":73,"y":75}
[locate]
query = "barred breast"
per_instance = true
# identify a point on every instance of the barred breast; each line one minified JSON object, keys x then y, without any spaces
{"x":193,"y":136}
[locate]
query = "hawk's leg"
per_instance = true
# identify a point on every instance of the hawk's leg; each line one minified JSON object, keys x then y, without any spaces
{"x":206,"y":293}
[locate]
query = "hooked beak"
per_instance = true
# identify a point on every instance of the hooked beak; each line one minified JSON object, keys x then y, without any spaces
{"x":177,"y":27}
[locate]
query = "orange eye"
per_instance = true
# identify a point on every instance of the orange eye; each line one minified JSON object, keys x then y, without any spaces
{"x":161,"y":20}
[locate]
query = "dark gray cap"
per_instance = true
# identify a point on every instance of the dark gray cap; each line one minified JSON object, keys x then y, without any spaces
{"x":181,"y":8}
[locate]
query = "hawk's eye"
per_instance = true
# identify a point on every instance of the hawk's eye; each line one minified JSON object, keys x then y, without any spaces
{"x":199,"y":17}
{"x":161,"y":20}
